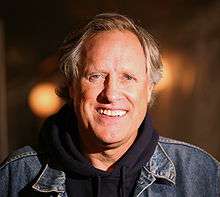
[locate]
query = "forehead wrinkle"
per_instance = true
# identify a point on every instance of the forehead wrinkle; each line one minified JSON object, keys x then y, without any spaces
{"x":95,"y":60}
{"x":112,"y":48}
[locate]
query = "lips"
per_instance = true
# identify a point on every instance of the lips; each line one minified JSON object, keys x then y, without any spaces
{"x":112,"y":112}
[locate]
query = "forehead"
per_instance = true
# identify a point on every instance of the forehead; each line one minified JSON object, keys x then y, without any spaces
{"x":117,"y":46}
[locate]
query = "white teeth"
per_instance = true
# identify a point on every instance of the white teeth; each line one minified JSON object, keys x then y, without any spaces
{"x":109,"y":112}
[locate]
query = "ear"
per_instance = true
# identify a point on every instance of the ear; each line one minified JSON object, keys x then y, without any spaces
{"x":71,"y":91}
{"x":150,"y":90}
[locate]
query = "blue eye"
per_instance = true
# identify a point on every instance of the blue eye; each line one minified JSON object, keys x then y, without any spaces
{"x":94,"y":77}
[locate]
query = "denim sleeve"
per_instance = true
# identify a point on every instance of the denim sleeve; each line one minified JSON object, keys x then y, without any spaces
{"x":17,"y":172}
{"x":4,"y":181}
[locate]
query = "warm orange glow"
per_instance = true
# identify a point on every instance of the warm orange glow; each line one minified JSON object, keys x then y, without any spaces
{"x":167,"y":79}
{"x":178,"y":72}
{"x":188,"y":80}
{"x":43,"y":101}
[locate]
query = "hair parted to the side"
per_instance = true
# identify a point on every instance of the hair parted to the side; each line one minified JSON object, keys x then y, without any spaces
{"x":71,"y":49}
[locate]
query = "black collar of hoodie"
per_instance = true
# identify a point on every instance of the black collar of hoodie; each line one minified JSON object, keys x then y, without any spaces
{"x":60,"y":139}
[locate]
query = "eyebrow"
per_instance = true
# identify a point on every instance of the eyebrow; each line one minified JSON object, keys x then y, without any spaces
{"x":93,"y":71}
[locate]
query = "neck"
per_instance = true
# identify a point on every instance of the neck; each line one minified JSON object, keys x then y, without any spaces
{"x":104,"y":157}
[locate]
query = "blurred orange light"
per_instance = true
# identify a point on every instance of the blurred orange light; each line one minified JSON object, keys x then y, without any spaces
{"x":178,"y":72}
{"x":167,"y":79}
{"x":43,"y":101}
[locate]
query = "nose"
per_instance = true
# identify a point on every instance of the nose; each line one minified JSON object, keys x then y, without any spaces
{"x":111,"y":90}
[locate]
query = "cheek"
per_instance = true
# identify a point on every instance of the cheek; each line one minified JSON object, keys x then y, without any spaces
{"x":79,"y":97}
{"x":86,"y":98}
{"x":139,"y":95}
{"x":83,"y":103}
{"x":89,"y":95}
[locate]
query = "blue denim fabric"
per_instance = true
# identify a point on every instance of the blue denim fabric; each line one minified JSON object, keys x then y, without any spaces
{"x":175,"y":169}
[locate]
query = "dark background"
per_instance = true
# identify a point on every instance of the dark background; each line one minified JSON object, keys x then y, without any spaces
{"x":189,"y":35}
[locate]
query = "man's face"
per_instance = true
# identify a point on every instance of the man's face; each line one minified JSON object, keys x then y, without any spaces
{"x":113,"y":91}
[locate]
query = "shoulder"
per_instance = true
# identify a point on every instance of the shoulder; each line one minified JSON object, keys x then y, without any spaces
{"x":189,"y":158}
{"x":23,"y":162}
{"x":18,"y":170}
{"x":175,"y":146}
{"x":20,"y":156}
{"x":193,"y":166}
{"x":184,"y":150}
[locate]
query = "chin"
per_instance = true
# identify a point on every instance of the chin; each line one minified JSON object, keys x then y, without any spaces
{"x":113,"y":138}
{"x":110,"y":143}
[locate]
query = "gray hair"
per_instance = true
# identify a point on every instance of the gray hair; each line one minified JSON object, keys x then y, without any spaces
{"x":71,"y":49}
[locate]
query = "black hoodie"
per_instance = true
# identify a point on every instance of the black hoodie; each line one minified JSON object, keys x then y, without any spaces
{"x":59,"y":138}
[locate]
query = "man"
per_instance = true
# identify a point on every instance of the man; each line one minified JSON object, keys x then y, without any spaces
{"x":101,"y":143}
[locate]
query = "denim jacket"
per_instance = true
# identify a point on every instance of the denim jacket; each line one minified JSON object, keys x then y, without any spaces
{"x":175,"y":169}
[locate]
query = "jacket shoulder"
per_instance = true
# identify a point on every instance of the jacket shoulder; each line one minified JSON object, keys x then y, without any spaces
{"x":175,"y":147}
{"x":18,"y":170}
{"x":18,"y":155}
{"x":193,"y":167}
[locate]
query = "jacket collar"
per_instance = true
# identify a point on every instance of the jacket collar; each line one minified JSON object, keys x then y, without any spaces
{"x":50,"y":180}
{"x":160,"y":166}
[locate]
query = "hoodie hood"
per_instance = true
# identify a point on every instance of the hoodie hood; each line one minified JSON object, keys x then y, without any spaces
{"x":59,"y":138}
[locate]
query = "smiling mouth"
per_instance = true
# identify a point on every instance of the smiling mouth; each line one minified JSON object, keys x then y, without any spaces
{"x":112,"y":113}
